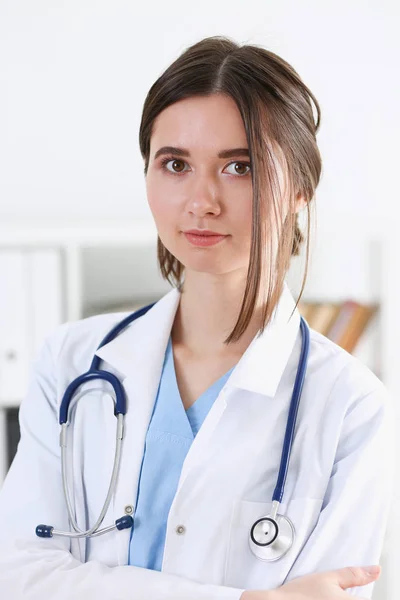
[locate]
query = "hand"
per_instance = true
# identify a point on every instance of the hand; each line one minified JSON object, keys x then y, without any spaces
{"x":319,"y":586}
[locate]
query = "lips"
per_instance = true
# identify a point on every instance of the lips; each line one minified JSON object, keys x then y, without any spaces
{"x":206,"y":239}
{"x":204,"y":232}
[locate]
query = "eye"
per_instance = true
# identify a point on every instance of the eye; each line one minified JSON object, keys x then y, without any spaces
{"x":176,"y":165}
{"x":240,"y":168}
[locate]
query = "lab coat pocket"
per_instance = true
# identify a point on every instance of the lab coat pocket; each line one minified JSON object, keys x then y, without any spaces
{"x":243,"y":568}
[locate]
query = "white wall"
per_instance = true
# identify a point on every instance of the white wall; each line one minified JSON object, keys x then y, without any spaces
{"x":74,"y":76}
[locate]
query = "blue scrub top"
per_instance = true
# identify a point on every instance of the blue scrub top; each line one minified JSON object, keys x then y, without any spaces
{"x":170,"y":434}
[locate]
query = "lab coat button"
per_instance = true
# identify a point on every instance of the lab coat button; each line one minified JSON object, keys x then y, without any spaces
{"x":180,"y":530}
{"x":128,"y":509}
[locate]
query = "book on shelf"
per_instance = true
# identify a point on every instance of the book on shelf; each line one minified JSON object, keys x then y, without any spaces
{"x":343,"y":323}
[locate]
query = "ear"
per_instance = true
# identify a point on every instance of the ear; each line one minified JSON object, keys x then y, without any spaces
{"x":301,"y":202}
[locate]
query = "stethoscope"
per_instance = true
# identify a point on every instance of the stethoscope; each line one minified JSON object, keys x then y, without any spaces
{"x":270,"y":537}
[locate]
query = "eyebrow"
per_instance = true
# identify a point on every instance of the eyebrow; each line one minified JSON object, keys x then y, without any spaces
{"x":183,"y":152}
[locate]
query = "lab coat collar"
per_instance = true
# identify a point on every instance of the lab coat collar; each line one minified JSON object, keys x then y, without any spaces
{"x":262,"y":365}
{"x":260,"y":368}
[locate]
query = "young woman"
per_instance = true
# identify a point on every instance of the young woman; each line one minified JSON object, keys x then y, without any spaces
{"x":216,"y":376}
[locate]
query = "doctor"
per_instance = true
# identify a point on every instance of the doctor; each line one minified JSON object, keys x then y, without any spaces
{"x":208,"y":372}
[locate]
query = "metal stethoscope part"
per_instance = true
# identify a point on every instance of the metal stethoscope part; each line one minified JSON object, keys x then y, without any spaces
{"x":273,"y":536}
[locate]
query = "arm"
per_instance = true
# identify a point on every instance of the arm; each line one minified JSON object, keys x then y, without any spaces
{"x":33,"y":568}
{"x":327,"y":586}
{"x":354,"y":514}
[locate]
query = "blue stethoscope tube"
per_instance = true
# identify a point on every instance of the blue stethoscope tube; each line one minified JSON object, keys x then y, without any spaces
{"x":293,"y":410}
{"x":268,"y":527}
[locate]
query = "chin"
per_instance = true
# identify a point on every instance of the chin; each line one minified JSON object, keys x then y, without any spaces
{"x":208,"y":265}
{"x":203,"y":260}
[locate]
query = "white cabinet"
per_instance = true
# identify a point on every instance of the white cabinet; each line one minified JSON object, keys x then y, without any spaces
{"x":30,"y":308}
{"x":14,"y":337}
{"x":46,"y":293}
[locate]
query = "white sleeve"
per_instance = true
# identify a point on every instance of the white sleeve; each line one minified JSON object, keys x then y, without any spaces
{"x":352,"y":523}
{"x":32,"y":568}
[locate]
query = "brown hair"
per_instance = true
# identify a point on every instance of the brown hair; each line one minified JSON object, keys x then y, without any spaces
{"x":278,"y":118}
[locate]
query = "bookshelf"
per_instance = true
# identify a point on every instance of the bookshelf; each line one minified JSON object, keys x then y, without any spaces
{"x":342,"y":322}
{"x":104,"y":267}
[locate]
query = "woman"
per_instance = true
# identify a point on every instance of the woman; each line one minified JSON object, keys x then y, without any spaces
{"x":228,"y":142}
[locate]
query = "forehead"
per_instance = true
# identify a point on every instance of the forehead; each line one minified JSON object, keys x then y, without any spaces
{"x":204,"y":122}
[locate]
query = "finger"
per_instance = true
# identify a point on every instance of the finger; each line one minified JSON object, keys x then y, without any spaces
{"x":349,"y":577}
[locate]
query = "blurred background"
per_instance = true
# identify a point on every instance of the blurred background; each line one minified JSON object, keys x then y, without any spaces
{"x":76,"y":234}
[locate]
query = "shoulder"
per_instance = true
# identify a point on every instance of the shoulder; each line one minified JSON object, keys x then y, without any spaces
{"x":82,"y":337}
{"x":352,"y":406}
{"x":346,"y":379}
{"x":65,"y":353}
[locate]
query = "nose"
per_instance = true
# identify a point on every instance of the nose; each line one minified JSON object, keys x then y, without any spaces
{"x":204,"y":197}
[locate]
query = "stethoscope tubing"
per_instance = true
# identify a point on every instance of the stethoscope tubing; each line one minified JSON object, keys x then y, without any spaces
{"x":293,"y":410}
{"x":113,"y":480}
{"x":95,"y":373}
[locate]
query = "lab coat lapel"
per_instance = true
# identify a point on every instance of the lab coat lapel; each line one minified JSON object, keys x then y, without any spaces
{"x":138,"y":354}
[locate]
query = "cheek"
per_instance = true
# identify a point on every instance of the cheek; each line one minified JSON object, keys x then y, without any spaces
{"x":244,"y":212}
{"x":161,"y":208}
{"x":241,"y":213}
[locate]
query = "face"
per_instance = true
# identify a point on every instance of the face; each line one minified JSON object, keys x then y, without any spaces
{"x":202,"y":181}
{"x":201,"y":185}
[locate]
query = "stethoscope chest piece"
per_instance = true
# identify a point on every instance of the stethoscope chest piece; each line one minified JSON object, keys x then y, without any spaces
{"x":271,"y":538}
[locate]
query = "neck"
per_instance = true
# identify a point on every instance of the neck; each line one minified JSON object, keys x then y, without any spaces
{"x":207,"y":313}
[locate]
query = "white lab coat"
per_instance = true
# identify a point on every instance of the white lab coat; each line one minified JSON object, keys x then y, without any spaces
{"x":338,"y":488}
